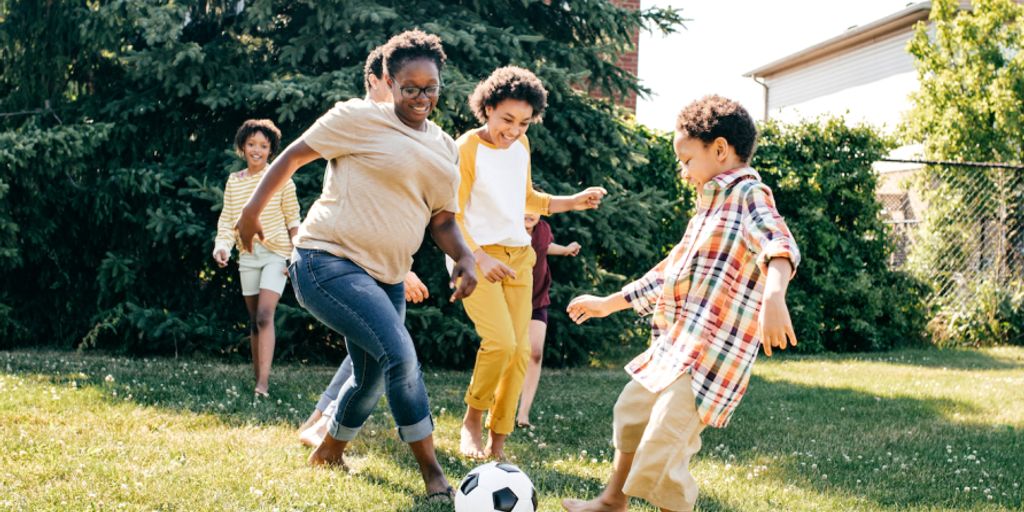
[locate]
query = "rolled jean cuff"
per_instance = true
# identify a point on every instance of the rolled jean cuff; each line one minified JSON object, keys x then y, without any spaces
{"x":417,"y":431}
{"x":341,"y":432}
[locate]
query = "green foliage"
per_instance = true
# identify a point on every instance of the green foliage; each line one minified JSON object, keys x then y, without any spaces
{"x":994,"y":317}
{"x":844,"y":296}
{"x":971,"y":70}
{"x":108,"y":202}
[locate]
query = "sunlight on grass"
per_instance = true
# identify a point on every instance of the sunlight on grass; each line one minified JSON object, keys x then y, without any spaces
{"x":910,"y":430}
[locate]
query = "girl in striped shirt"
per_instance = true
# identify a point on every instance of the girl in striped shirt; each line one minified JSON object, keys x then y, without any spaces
{"x":263,"y":272}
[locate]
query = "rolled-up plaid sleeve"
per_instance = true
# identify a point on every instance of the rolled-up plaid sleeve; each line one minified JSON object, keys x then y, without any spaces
{"x":764,"y":231}
{"x":643,"y":293}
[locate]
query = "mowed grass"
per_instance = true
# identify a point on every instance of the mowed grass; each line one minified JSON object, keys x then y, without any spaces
{"x":909,"y":430}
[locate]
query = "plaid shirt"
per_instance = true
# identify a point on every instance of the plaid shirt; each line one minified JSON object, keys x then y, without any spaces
{"x":706,"y":295}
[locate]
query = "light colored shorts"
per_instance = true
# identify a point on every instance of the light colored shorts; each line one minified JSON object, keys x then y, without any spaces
{"x":261,"y":269}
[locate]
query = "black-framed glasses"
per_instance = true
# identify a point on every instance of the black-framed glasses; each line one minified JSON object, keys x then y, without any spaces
{"x":432,"y":91}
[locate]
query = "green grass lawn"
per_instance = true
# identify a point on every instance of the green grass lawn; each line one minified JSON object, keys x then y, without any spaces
{"x":909,"y":430}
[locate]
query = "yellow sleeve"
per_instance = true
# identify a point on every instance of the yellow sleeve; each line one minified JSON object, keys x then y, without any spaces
{"x":290,"y":206}
{"x":226,"y":223}
{"x":467,"y":175}
{"x":536,"y":202}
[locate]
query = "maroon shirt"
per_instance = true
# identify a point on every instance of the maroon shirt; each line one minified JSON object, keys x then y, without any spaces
{"x":540,"y":240}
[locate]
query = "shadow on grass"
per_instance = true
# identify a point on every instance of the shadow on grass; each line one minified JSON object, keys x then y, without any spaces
{"x":894,"y":452}
{"x":953,"y":359}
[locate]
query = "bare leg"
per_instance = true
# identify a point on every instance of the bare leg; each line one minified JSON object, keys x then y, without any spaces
{"x":426,"y":457}
{"x":251,"y":303}
{"x":496,"y":446}
{"x":472,"y":438}
{"x":311,"y":420}
{"x":315,"y":433}
{"x":538,"y":330}
{"x":612,"y":498}
{"x":265,"y":323}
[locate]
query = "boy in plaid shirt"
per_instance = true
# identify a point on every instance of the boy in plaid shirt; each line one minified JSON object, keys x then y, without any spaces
{"x":719,"y":294}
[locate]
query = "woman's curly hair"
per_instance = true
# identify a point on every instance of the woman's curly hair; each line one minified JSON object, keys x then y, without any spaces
{"x":411,"y":45}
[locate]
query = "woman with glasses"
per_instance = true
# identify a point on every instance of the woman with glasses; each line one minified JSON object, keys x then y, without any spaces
{"x":390,"y":173}
{"x":495,"y":192}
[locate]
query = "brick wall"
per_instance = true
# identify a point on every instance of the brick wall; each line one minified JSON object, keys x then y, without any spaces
{"x":630,"y":61}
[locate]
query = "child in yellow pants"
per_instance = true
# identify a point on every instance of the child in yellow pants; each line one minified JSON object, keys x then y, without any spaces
{"x":495,"y":193}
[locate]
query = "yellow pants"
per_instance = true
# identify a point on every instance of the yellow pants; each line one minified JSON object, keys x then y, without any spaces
{"x":501,"y":313}
{"x":663,"y":430}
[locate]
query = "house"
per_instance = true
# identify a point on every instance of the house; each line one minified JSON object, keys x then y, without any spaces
{"x":865,"y":74}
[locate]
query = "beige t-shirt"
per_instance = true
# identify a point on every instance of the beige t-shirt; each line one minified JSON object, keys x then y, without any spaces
{"x":384,"y":182}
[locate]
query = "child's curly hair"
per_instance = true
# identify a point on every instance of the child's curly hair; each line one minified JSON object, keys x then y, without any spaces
{"x":509,"y":82}
{"x":264,"y":126}
{"x":411,"y":45}
{"x":714,"y":116}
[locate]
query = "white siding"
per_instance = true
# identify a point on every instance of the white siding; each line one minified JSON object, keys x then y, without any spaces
{"x":881,"y":103}
{"x":870,"y":63}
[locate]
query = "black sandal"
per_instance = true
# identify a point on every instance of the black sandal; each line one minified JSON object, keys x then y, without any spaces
{"x":445,"y":496}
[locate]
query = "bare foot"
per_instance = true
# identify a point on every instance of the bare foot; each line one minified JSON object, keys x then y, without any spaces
{"x":471,"y":443}
{"x":310,"y":420}
{"x":496,"y":446}
{"x":329,"y":453}
{"x":314,"y":435}
{"x":598,"y":504}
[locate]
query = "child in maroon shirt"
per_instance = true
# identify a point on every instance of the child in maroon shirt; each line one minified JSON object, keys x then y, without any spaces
{"x":543,"y":244}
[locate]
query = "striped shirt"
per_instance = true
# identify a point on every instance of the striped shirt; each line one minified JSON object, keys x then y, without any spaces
{"x":705,"y":297}
{"x":280,"y":215}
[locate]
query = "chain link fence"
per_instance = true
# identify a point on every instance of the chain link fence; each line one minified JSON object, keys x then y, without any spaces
{"x":959,"y":228}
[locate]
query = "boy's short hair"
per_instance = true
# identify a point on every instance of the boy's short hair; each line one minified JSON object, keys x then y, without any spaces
{"x":411,"y":45}
{"x":264,"y":126}
{"x":509,"y":82}
{"x":714,"y":116}
{"x":374,"y":66}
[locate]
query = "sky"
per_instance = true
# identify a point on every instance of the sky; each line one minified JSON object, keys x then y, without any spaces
{"x":724,"y":39}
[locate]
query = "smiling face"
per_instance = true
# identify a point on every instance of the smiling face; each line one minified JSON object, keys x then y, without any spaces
{"x":414,"y":106}
{"x":256,"y":150}
{"x":507,"y":121}
{"x":701,"y":162}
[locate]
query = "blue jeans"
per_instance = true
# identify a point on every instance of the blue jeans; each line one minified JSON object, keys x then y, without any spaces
{"x":330,"y":395}
{"x":369,"y":314}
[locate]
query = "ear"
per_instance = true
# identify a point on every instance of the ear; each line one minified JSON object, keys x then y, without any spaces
{"x":388,"y":80}
{"x":488,"y":110}
{"x":721,"y":147}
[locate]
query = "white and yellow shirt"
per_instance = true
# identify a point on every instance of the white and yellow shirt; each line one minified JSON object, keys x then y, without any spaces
{"x":495,"y":192}
{"x":280,"y":215}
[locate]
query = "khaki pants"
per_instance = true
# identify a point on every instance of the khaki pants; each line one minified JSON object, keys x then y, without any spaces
{"x":663,"y":429}
{"x":501,"y":313}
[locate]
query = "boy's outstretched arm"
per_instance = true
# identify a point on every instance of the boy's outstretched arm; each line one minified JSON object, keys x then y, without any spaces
{"x":774,"y":322}
{"x":585,"y":307}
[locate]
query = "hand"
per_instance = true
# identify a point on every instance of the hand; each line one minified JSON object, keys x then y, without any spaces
{"x":221,"y":257}
{"x":589,"y":198}
{"x":585,"y":307}
{"x":463,"y":278}
{"x":573,"y":249}
{"x":415,"y":290}
{"x":248,"y":226}
{"x":285,"y":270}
{"x":493,"y":269}
{"x":775,"y":324}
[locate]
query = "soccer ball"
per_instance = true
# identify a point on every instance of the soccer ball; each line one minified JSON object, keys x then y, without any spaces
{"x":497,"y":487}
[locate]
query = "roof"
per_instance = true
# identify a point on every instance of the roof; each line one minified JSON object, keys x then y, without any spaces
{"x":854,"y":37}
